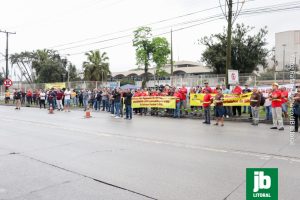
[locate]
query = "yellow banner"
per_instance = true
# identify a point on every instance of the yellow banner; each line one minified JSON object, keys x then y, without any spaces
{"x":229,"y":99}
{"x":154,"y":102}
{"x":55,"y":85}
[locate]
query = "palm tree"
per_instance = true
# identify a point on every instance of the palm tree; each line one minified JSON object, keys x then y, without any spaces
{"x":96,"y":68}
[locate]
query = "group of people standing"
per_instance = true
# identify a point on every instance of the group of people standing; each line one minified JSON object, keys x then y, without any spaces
{"x":119,"y":102}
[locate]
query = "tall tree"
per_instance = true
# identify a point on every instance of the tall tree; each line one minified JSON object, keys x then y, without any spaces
{"x":150,"y":50}
{"x":1,"y":78}
{"x":143,"y":44}
{"x":73,"y":74}
{"x":49,"y":66}
{"x":248,"y":51}
{"x":40,"y":66}
{"x":160,"y":51}
{"x":23,"y":61}
{"x":96,"y":68}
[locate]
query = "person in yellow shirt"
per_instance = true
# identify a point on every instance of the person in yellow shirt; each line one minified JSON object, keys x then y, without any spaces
{"x":7,"y":97}
{"x":74,"y":98}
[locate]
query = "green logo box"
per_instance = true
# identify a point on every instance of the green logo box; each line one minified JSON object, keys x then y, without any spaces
{"x":262,"y":184}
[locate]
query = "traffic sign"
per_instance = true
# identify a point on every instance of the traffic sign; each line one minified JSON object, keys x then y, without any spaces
{"x":7,"y":82}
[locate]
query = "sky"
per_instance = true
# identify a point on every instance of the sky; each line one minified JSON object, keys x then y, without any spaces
{"x":43,"y":24}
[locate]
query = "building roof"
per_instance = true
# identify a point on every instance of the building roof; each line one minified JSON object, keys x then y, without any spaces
{"x":187,"y":67}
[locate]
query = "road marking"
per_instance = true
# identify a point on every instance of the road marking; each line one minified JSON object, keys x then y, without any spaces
{"x":161,"y":142}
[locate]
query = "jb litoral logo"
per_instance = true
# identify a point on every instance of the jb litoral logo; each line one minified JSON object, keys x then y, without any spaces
{"x":262,"y":183}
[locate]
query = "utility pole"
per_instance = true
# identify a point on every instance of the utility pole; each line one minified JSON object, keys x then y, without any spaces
{"x":229,"y":32}
{"x":231,"y":18}
{"x":283,"y":62}
{"x":6,"y":52}
{"x":172,"y":57}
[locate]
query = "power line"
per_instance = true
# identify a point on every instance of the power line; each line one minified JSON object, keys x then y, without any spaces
{"x":130,"y":35}
{"x":149,"y":24}
{"x":258,"y":10}
{"x":120,"y":44}
{"x":132,"y":28}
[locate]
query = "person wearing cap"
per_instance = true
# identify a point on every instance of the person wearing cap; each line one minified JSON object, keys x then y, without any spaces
{"x":255,"y":104}
{"x":207,"y":100}
{"x":276,"y":107}
{"x":219,"y":107}
{"x":206,"y":87}
{"x":237,"y":90}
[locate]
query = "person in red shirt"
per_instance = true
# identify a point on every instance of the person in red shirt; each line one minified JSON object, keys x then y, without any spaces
{"x":207,"y":100}
{"x":284,"y":100}
{"x":183,"y":92}
{"x":154,"y":111}
{"x":276,"y":98}
{"x":59,"y":97}
{"x":215,"y":91}
{"x":206,"y":87}
{"x":237,"y":109}
{"x":29,"y":97}
{"x":154,"y":93}
{"x":178,"y":96}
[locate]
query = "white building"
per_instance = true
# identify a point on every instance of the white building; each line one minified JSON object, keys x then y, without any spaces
{"x":287,"y":46}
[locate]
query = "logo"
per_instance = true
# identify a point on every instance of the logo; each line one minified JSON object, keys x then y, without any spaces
{"x":262,"y":183}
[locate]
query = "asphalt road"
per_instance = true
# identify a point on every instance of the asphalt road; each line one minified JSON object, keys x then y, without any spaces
{"x":67,"y":157}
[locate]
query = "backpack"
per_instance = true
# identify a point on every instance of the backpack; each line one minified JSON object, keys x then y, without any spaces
{"x":262,"y":100}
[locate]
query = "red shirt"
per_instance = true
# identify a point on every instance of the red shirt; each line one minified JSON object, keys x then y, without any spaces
{"x":143,"y":94}
{"x":276,"y":98}
{"x":215,"y":91}
{"x":208,"y":89}
{"x":206,"y":100}
{"x":183,"y":92}
{"x":29,"y":93}
{"x":59,"y":95}
{"x":178,"y":96}
{"x":137,"y":94}
{"x":237,"y":90}
{"x":284,"y":95}
{"x":154,"y":94}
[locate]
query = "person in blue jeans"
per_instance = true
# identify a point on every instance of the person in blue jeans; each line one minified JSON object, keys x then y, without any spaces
{"x":268,"y":107}
{"x":127,"y":101}
{"x":117,"y":102}
{"x":178,"y":96}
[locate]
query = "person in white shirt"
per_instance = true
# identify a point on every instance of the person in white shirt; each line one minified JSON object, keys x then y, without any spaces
{"x":67,"y":100}
{"x":267,"y":105}
{"x":42,"y":99}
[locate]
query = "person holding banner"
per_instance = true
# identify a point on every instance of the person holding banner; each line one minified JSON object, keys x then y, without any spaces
{"x":276,"y":107}
{"x":237,"y":90}
{"x":219,"y":107}
{"x":183,"y":92}
{"x":255,"y":105}
{"x":178,"y":96}
{"x":207,"y":100}
{"x":206,"y":87}
{"x":226,"y":108}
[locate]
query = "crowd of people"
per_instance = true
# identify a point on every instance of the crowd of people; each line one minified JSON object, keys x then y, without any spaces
{"x":118,"y":102}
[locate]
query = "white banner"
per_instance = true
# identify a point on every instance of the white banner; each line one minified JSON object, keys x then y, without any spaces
{"x":233,"y":77}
